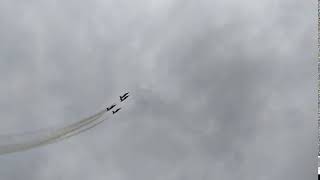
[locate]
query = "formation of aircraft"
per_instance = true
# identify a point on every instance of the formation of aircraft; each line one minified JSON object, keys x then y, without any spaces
{"x":122,"y":98}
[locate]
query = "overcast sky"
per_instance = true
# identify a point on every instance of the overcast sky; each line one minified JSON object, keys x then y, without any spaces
{"x":220,"y":89}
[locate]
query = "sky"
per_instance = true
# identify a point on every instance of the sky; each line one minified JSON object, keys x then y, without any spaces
{"x":220,"y":89}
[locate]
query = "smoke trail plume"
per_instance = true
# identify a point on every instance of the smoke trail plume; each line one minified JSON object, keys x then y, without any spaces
{"x":24,"y":141}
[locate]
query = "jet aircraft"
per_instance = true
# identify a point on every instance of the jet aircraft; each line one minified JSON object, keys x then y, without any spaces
{"x":112,"y":106}
{"x":113,"y":112}
{"x":123,"y":97}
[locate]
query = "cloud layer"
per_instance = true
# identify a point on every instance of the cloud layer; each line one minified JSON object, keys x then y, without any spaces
{"x":220,"y":89}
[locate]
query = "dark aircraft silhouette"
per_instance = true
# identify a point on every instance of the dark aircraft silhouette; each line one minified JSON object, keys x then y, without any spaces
{"x":123,"y":97}
{"x":113,"y":112}
{"x":112,"y":106}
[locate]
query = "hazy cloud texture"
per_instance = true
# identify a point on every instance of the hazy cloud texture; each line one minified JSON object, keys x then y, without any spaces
{"x":220,"y":89}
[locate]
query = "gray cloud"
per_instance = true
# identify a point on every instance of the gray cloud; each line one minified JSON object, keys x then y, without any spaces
{"x":220,"y":89}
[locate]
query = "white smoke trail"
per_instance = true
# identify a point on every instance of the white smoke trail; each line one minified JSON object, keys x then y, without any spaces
{"x":20,"y":142}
